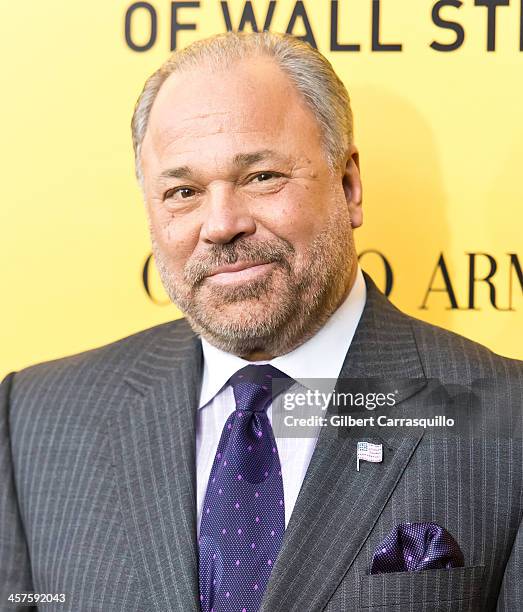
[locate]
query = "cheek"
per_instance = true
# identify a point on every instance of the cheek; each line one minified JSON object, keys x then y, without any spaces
{"x":176,"y":238}
{"x":298,"y":219}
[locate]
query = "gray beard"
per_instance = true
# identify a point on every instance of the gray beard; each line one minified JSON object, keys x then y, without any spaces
{"x":297,"y":312}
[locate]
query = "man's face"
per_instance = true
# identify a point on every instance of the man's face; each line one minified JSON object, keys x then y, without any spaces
{"x":250,"y":229}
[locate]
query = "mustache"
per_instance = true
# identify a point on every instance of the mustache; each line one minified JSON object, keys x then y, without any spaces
{"x":266,"y":251}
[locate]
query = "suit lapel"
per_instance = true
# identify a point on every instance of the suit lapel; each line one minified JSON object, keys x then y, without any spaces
{"x":337,"y":506}
{"x":153,"y":440}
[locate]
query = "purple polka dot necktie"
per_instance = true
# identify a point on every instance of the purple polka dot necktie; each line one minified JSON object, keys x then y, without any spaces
{"x":412,"y":547}
{"x":243,"y":516}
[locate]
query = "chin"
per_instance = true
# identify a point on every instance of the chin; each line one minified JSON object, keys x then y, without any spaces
{"x":238,"y":327}
{"x":248,"y":316}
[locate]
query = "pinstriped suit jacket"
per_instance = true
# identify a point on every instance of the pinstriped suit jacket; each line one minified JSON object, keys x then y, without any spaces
{"x":97,"y":480}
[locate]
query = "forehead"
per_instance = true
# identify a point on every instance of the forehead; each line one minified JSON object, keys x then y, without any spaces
{"x":252,"y":104}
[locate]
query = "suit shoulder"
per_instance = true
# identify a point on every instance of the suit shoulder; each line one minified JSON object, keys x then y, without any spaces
{"x":446,"y":354}
{"x":113,"y":358}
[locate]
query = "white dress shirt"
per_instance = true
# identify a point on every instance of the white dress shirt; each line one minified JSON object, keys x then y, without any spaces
{"x":320,"y":357}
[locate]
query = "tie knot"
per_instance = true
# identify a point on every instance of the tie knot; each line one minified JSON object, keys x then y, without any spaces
{"x":255,"y":386}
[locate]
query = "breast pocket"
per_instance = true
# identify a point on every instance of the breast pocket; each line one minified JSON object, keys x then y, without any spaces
{"x":453,"y":590}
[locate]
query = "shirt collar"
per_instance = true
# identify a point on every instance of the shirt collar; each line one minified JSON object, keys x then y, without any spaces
{"x":320,"y":357}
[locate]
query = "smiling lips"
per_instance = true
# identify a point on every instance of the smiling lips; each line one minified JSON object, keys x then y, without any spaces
{"x":239,"y":271}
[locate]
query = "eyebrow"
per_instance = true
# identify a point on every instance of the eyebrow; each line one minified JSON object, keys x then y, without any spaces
{"x":240,"y":160}
{"x":181,"y":172}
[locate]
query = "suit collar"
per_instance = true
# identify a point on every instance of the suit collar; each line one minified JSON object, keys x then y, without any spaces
{"x":384,"y":343}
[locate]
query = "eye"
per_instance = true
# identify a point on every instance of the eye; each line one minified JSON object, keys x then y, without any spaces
{"x":182,"y":192}
{"x":264,"y":176}
{"x":185,"y":192}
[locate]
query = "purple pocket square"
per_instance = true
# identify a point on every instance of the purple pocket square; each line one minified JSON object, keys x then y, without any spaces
{"x":411,"y":547}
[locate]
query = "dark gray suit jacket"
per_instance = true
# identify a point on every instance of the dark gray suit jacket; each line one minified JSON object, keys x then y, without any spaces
{"x":97,"y":480}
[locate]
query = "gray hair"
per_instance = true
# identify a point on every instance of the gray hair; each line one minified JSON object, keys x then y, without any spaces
{"x":310,"y":72}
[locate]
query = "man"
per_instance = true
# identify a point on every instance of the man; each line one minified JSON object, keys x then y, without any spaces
{"x":148,"y":474}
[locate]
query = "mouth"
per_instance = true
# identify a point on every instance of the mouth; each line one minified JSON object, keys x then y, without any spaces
{"x":239,"y":272}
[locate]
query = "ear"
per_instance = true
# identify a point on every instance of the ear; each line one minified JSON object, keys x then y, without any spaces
{"x":352,"y":186}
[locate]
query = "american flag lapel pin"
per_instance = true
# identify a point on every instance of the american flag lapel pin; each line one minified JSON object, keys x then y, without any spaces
{"x":366,"y":451}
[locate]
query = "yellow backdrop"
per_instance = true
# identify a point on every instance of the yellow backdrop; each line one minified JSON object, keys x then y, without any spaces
{"x":437,"y":96}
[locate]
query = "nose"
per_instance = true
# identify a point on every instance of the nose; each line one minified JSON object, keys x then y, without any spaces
{"x":227,"y":216}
